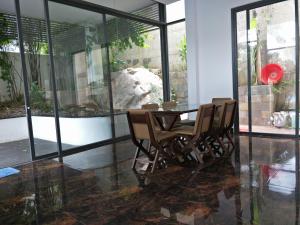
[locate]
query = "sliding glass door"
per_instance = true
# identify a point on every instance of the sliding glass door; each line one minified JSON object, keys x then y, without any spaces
{"x":265,"y":68}
{"x":14,"y":137}
{"x":36,"y":52}
{"x":80,"y":61}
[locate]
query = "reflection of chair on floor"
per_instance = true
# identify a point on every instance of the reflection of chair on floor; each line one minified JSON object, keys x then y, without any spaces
{"x":203,"y":192}
{"x":142,"y":127}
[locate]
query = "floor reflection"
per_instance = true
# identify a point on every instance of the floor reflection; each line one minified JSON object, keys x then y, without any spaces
{"x":259,"y":185}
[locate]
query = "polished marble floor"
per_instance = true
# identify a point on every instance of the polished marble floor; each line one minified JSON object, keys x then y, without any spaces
{"x":259,"y":185}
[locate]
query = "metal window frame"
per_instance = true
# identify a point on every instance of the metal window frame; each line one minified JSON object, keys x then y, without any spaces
{"x":247,"y":8}
{"x":164,"y":52}
{"x":162,"y":26}
{"x":105,"y":10}
{"x":53,"y":79}
{"x":25,"y":79}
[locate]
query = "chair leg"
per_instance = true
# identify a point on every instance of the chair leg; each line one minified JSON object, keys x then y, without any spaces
{"x":154,"y":163}
{"x":228,"y":135}
{"x":197,"y":153}
{"x":221,"y":144}
{"x":136,"y":155}
{"x":210,"y":150}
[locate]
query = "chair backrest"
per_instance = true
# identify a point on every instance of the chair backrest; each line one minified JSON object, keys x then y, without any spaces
{"x":153,"y":128}
{"x":153,"y":106}
{"x":228,"y":114}
{"x":204,"y":119}
{"x":220,"y":101}
{"x":138,"y":124}
{"x":169,"y":105}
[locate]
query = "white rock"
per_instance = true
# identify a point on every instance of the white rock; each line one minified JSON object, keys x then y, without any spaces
{"x":134,"y":87}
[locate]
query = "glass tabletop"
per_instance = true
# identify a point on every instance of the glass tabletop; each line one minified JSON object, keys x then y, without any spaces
{"x":181,"y":108}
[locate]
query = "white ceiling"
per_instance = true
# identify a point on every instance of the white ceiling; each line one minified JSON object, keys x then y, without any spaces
{"x":166,"y":2}
{"x":59,"y":12}
{"x":123,"y":5}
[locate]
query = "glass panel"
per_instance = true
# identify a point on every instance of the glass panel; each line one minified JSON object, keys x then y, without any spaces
{"x":176,"y":11}
{"x":14,"y":139}
{"x":272,"y":43}
{"x":121,"y":125}
{"x":135,"y":62}
{"x":81,"y":74}
{"x":177,"y":61}
{"x":38,"y":71}
{"x":242,"y":70}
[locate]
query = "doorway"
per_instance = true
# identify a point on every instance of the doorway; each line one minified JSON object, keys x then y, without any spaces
{"x":266,"y":67}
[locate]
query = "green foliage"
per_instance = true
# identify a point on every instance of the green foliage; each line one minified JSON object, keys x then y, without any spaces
{"x":173,"y":95}
{"x":117,"y":64}
{"x":7,"y":69}
{"x":131,"y":36}
{"x":183,"y":49}
{"x":38,"y":99}
{"x":44,"y":49}
{"x":282,"y":86}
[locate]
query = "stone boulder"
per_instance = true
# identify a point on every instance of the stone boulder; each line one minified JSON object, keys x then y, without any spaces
{"x":134,"y":87}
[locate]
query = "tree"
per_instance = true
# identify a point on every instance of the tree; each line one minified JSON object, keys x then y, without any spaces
{"x":8,"y":71}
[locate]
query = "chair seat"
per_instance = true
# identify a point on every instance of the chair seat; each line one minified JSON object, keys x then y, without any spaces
{"x":186,"y":123}
{"x":184,"y":130}
{"x":165,"y":136}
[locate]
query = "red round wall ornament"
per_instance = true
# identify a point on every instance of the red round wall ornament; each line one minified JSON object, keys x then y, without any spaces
{"x":271,"y":73}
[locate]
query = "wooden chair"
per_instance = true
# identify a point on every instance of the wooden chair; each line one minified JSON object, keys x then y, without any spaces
{"x":231,"y":107}
{"x":220,"y":101}
{"x":197,"y":136}
{"x":152,"y":106}
{"x":139,"y":132}
{"x":222,"y":126}
{"x":169,"y":105}
{"x":159,"y":139}
{"x":142,"y":126}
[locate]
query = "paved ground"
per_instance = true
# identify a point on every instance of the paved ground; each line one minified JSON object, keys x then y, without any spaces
{"x":18,"y":152}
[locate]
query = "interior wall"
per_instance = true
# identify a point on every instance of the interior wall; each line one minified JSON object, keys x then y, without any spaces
{"x":209,"y":50}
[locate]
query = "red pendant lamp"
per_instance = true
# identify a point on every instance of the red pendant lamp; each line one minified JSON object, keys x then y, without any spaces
{"x":271,"y":73}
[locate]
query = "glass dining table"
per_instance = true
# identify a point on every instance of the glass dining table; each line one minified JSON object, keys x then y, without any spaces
{"x":167,"y":117}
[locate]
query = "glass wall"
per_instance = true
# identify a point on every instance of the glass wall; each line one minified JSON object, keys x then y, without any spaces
{"x":103,"y":65}
{"x":39,"y":81}
{"x":14,"y":139}
{"x":266,"y":49}
{"x":272,"y":44}
{"x":242,"y":70}
{"x":177,"y":49}
{"x":177,"y":62}
{"x":135,"y":63}
{"x":81,"y":75}
{"x":175,"y":11}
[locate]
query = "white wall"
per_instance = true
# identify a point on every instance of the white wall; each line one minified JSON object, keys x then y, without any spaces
{"x":74,"y":131}
{"x":209,"y":56}
{"x":14,"y":129}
